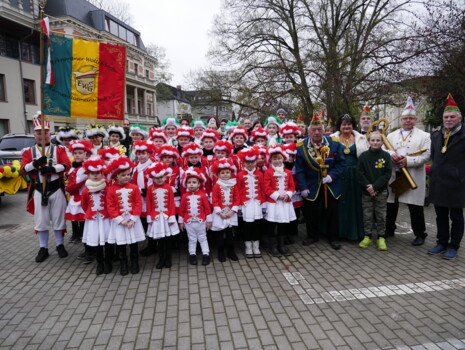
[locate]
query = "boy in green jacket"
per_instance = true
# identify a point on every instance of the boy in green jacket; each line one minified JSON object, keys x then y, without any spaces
{"x":374,"y":171}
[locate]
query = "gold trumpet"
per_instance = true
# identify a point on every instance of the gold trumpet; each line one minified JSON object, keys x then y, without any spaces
{"x":402,"y":183}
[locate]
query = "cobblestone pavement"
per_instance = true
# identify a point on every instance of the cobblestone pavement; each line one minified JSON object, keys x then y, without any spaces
{"x":317,"y":298}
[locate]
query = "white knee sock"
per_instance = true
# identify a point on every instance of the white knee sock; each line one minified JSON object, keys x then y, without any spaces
{"x":43,"y":239}
{"x":59,"y":239}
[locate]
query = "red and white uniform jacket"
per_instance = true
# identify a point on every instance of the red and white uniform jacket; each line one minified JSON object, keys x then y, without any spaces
{"x":140,"y":179}
{"x":207,"y":186}
{"x":76,"y":183}
{"x":250,"y":186}
{"x":194,"y":208}
{"x":174,"y":179}
{"x":124,"y":200}
{"x":275,"y":186}
{"x":160,"y":201}
{"x":94,"y":203}
{"x":225,"y":197}
{"x":59,"y":160}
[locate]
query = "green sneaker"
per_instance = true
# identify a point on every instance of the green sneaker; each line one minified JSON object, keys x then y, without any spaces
{"x":382,"y":244}
{"x":367,"y":241}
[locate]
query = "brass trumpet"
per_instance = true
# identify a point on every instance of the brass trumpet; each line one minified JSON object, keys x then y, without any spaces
{"x":397,"y":186}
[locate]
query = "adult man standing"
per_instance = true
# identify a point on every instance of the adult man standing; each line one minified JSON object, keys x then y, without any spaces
{"x":365,"y":120}
{"x":49,"y":202}
{"x":412,"y":151}
{"x":282,"y":114}
{"x":320,"y":189}
{"x":127,"y":141}
{"x":447,"y":175}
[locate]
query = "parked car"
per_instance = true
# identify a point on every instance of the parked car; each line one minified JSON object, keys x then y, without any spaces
{"x":12,"y":145}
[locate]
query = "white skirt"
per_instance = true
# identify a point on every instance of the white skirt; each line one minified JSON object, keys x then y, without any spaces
{"x":252,"y":211}
{"x":96,"y":231}
{"x":219,"y":224}
{"x":74,"y":211}
{"x":120,"y":234}
{"x":282,"y":212}
{"x":161,"y":228}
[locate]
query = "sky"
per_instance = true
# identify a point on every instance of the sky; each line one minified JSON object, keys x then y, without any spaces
{"x":181,"y":27}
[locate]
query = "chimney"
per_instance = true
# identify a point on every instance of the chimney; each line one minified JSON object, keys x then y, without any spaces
{"x":178,"y":87}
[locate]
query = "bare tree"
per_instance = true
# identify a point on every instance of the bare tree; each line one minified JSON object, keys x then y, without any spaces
{"x":339,"y":52}
{"x":117,"y":8}
{"x":162,"y":75}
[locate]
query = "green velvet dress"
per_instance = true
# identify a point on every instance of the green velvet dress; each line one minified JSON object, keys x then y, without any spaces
{"x":350,"y":202}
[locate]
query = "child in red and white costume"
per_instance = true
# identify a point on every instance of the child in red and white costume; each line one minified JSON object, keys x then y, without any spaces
{"x":80,"y":151}
{"x":124,"y":207}
{"x":168,"y":155}
{"x":109,"y":154}
{"x":157,"y":137}
{"x":253,"y":204}
{"x":262,"y":163}
{"x":259,"y":136}
{"x":97,"y":220}
{"x":238,"y":137}
{"x":161,"y":214}
{"x":184,"y":135}
{"x":195,"y":214}
{"x":297,"y":200}
{"x":290,"y":133}
{"x":279,"y":188}
{"x":144,"y":151}
{"x":225,"y":201}
{"x":208,"y":140}
{"x":223,"y":149}
{"x":193,"y":155}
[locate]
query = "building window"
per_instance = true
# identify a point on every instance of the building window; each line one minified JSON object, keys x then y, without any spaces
{"x":4,"y":127}
{"x":2,"y":88}
{"x":29,"y":91}
{"x":149,"y":109}
{"x":26,"y":52}
{"x":136,"y":69}
{"x":147,"y":73}
{"x":131,"y":37}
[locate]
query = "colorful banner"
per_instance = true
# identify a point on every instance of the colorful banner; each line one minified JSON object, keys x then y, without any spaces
{"x":89,"y":79}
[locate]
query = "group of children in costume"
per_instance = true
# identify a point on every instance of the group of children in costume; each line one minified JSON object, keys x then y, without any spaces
{"x":181,"y":179}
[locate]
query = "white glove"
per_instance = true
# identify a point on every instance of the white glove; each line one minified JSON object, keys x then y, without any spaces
{"x":304,"y":193}
{"x":327,"y":179}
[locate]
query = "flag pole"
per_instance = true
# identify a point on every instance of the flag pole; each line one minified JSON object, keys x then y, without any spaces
{"x":42,"y":81}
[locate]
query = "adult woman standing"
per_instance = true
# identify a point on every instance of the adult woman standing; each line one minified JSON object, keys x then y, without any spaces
{"x":350,"y":203}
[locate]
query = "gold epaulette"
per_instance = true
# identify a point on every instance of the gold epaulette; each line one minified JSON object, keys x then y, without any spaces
{"x":300,"y":143}
{"x":335,"y":139}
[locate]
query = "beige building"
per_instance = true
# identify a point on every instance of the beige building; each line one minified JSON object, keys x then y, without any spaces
{"x":19,"y":59}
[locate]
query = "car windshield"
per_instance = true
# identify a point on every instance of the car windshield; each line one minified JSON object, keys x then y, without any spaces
{"x":16,"y":143}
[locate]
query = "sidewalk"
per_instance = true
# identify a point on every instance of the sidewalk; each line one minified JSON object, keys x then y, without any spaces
{"x":317,"y":298}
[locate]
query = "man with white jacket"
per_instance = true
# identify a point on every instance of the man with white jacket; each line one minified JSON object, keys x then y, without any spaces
{"x":412,"y":151}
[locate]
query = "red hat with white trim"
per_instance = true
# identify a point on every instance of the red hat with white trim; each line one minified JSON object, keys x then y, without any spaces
{"x":168,"y":151}
{"x":185,"y":131}
{"x":290,"y":129}
{"x":259,"y":132}
{"x":110,"y":153}
{"x":159,"y":169}
{"x":249,"y":154}
{"x":93,"y":165}
{"x":210,"y":134}
{"x":81,"y":144}
{"x":261,"y":149}
{"x":223,"y":145}
{"x":157,"y":133}
{"x":291,"y":148}
{"x":37,"y":122}
{"x":278,"y":149}
{"x":144,"y":146}
{"x":193,"y":172}
{"x":239,"y":130}
{"x":223,"y":164}
{"x":191,"y":149}
{"x":119,"y":165}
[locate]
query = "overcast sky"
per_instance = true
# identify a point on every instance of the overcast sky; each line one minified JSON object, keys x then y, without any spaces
{"x":181,"y":27}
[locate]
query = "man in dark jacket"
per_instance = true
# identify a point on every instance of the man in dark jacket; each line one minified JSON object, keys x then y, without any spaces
{"x":447,"y":181}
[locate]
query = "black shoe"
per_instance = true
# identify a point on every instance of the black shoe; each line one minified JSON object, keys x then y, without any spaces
{"x":168,"y":263}
{"x":161,"y":263}
{"x":82,"y":256}
{"x":193,"y":259}
{"x":42,"y":255}
{"x":123,"y":269}
{"x":99,"y":269}
{"x":221,"y":255}
{"x":205,"y":259}
{"x":335,"y":245}
{"x":389,"y":234}
{"x":108,"y":267}
{"x":135,"y":266}
{"x":418,"y":241}
{"x":309,"y":241}
{"x":62,"y":253}
{"x":283,"y":250}
{"x":150,"y":249}
{"x":232,"y":254}
{"x":88,"y":259}
{"x":73,"y":239}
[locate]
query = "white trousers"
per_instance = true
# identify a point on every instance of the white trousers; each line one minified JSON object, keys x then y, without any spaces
{"x":197,"y":231}
{"x":51,"y":216}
